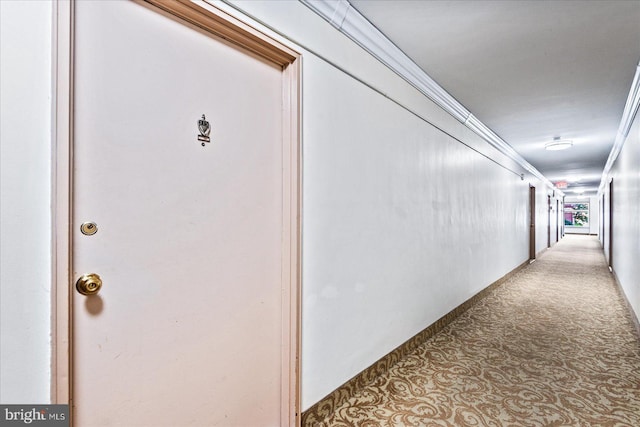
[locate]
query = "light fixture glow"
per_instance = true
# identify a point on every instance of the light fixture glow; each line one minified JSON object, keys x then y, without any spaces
{"x":558,"y":144}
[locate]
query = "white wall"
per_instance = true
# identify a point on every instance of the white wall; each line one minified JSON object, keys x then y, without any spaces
{"x":626,"y":216}
{"x":25,"y":283}
{"x":594,"y":215}
{"x":401,"y":223}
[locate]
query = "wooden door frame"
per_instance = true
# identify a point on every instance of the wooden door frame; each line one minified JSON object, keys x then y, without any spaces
{"x":232,"y":29}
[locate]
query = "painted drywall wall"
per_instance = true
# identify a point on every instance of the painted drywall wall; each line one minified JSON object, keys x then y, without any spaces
{"x":594,"y":215}
{"x":25,"y":263}
{"x":399,"y":226}
{"x":401,"y":223}
{"x":626,"y":216}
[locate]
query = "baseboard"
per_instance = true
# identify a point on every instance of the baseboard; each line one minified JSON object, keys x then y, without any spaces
{"x":623,"y":296}
{"x":314,"y":416}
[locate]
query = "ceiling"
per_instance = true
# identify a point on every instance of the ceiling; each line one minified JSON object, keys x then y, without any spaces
{"x":529,"y":70}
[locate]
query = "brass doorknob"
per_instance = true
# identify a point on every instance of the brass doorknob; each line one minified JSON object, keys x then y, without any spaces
{"x":89,"y":284}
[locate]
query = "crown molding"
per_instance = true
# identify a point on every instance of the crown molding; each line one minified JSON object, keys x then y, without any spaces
{"x":628,"y":115}
{"x":351,"y":23}
{"x":346,"y":19}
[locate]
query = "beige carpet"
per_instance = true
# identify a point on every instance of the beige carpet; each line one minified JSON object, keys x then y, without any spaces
{"x":553,"y":346}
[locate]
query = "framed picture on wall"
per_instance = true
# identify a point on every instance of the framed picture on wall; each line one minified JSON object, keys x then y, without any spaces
{"x":576,"y":214}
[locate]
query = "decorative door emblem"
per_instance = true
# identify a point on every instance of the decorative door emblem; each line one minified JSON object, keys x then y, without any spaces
{"x":205,"y":130}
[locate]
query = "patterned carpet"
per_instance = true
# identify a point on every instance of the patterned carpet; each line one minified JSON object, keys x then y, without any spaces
{"x":553,"y":346}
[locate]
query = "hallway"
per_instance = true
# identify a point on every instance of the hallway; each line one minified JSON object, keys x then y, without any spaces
{"x":553,"y":346}
{"x":415,"y":157}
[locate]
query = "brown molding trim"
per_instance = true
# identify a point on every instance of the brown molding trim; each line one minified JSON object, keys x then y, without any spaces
{"x":315,"y":415}
{"x":632,"y":314}
{"x":229,"y":28}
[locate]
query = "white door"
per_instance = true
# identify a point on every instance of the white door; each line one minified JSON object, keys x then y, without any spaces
{"x":187,"y":327}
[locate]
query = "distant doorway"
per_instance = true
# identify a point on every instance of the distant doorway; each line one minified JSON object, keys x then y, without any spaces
{"x":557,"y":222}
{"x":611,"y":224}
{"x":603,"y":227}
{"x":548,"y":221}
{"x":532,"y":223}
{"x":561,"y":213}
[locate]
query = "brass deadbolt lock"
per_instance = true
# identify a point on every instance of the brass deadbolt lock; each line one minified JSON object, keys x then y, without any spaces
{"x":89,"y":284}
{"x":89,"y":228}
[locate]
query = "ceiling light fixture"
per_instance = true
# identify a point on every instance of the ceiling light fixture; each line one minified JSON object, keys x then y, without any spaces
{"x":558,"y":144}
